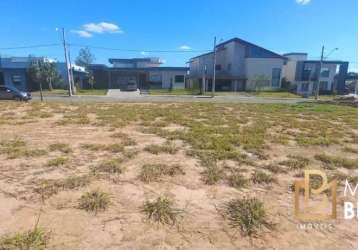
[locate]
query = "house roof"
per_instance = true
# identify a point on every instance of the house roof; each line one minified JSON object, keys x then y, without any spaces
{"x":238,"y":40}
{"x":150,"y":68}
{"x":295,"y":53}
{"x":325,"y":62}
{"x":133,"y":60}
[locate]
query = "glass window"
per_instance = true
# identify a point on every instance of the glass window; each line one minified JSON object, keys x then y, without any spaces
{"x":16,"y":79}
{"x":229,"y":67}
{"x":179,"y":78}
{"x":323,"y":85}
{"x":325,"y":72}
{"x":305,"y":86}
{"x":218,"y":67}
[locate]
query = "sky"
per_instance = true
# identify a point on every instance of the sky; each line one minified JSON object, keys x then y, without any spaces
{"x":185,"y":28}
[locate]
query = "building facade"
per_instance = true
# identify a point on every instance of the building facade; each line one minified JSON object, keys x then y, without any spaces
{"x":306,"y":74}
{"x":240,"y":66}
{"x":145,"y":72}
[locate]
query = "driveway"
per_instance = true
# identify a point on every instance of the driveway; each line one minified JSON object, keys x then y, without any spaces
{"x":117,"y":93}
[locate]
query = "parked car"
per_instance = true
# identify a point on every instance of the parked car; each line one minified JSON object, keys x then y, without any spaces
{"x":9,"y":93}
{"x":132,"y":85}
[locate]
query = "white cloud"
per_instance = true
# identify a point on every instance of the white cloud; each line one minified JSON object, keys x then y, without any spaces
{"x":82,"y":33}
{"x":144,"y":53}
{"x":303,"y":2}
{"x":185,"y":47}
{"x":102,"y":27}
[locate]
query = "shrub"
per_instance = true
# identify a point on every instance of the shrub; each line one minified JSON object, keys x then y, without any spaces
{"x":161,"y":211}
{"x":94,"y":201}
{"x":36,"y":239}
{"x":248,"y":214}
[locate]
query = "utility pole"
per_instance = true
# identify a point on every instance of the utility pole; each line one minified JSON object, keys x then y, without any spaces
{"x":66,"y":61}
{"x":214,"y":73}
{"x":319,"y":74}
{"x":73,"y":87}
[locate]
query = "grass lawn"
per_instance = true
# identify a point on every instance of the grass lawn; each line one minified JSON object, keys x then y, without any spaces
{"x":187,"y":175}
{"x":173,"y":92}
{"x":92,"y":92}
{"x":275,"y":94}
{"x":62,"y":92}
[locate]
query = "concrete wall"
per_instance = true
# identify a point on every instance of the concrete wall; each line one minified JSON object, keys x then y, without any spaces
{"x":260,"y":69}
{"x":168,"y":78}
{"x":9,"y":76}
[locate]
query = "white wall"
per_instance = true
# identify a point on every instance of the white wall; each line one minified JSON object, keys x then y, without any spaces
{"x":257,"y":67}
{"x":169,"y":76}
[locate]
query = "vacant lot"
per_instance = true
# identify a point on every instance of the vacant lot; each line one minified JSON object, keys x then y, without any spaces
{"x":169,"y":176}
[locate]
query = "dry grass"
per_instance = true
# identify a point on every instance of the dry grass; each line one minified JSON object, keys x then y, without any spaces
{"x":94,"y":201}
{"x":61,"y":147}
{"x":332,"y":162}
{"x":161,"y":211}
{"x":248,"y":214}
{"x":157,"y":149}
{"x":57,"y":162}
{"x":155,"y":172}
{"x":36,"y":239}
{"x":261,"y":177}
{"x":112,"y":166}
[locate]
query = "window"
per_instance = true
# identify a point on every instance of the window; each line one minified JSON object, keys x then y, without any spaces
{"x":276,"y":77}
{"x":179,"y":78}
{"x":155,"y":78}
{"x":16,"y":79}
{"x":218,"y":67}
{"x":229,"y":67}
{"x":325,"y":72}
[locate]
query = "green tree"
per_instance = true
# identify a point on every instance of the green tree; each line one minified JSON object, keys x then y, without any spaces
{"x":85,"y":57}
{"x":44,"y":72}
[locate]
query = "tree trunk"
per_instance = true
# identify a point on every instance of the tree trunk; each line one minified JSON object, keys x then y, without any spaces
{"x":50,"y":84}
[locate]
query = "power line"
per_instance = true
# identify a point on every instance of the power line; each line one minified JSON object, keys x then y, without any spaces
{"x":32,"y":46}
{"x":139,"y":50}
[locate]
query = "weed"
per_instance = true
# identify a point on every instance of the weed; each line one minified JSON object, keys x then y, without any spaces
{"x":295,"y":162}
{"x":157,"y":149}
{"x":56,"y":162}
{"x":273,"y":168}
{"x":350,"y":150}
{"x":212,"y":174}
{"x":36,"y":239}
{"x":112,"y":166}
{"x":261,"y":177}
{"x":237,"y":181}
{"x":154,"y":172}
{"x":93,"y":147}
{"x":248,"y":214}
{"x":161,"y":211}
{"x":61,"y":147}
{"x":94,"y":201}
{"x":125,"y":139}
{"x":332,"y":162}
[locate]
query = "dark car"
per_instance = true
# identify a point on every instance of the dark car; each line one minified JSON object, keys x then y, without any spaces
{"x":8,"y":93}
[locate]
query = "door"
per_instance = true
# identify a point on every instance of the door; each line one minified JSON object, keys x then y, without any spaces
{"x":276,"y":77}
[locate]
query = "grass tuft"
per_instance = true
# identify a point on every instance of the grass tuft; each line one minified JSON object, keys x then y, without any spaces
{"x":295,"y":162}
{"x":154,"y":172}
{"x":61,"y":147}
{"x":248,"y":214}
{"x":56,"y":162}
{"x":157,"y":149}
{"x":94,"y":201}
{"x":161,"y":211}
{"x":112,"y":166}
{"x":332,"y":162}
{"x":237,"y":181}
{"x":212,"y":174}
{"x":261,"y":177}
{"x":36,"y":239}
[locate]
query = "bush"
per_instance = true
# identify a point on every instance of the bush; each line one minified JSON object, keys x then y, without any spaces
{"x":237,"y":181}
{"x":154,"y":172}
{"x":261,"y":177}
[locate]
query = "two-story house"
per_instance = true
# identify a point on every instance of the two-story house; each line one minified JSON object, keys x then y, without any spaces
{"x":305,"y":74}
{"x":145,"y":72}
{"x":240,"y":66}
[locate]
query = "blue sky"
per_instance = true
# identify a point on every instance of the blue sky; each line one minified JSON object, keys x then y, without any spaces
{"x":185,"y":25}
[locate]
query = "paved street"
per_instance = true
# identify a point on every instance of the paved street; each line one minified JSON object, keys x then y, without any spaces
{"x":137,"y":98}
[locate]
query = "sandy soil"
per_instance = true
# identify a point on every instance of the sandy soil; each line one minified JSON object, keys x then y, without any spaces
{"x":123,"y":225}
